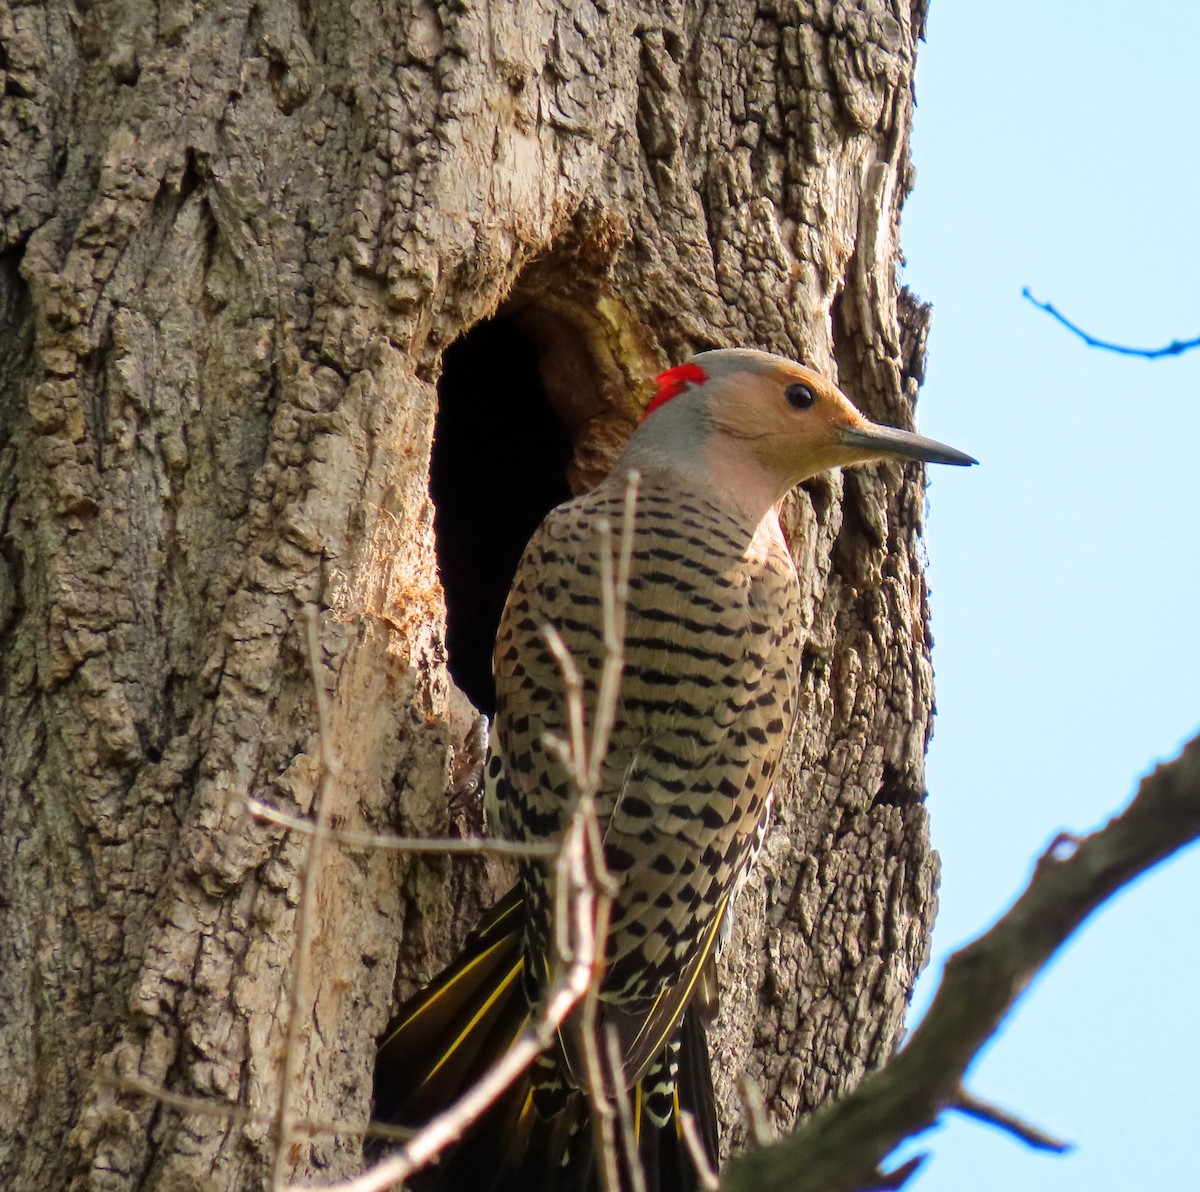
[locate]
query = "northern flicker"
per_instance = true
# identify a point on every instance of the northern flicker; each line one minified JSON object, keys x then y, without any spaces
{"x":708,"y":697}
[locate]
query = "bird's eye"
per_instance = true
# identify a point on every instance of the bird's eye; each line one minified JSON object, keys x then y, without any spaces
{"x":799,"y":397}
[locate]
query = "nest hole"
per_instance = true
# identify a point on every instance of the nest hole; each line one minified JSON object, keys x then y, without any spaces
{"x":500,"y":463}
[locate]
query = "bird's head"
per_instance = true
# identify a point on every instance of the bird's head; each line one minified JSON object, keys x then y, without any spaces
{"x":765,"y":423}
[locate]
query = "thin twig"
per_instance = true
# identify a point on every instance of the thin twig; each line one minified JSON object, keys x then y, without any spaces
{"x":614,"y":593}
{"x":573,"y":747}
{"x":207,"y":1107}
{"x":584,"y":759}
{"x":982,"y":1111}
{"x":595,"y":1085}
{"x":706,"y":1177}
{"x":564,"y":995}
{"x":583,"y":895}
{"x":569,"y":751}
{"x":1175,"y":348}
{"x":626,"y":1126}
{"x":403,"y":844}
{"x":309,"y":871}
{"x":603,"y":1113}
{"x":587,"y":763}
{"x":758,"y":1120}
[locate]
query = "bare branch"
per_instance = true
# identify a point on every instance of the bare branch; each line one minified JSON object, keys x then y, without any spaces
{"x":758,"y":1120}
{"x":1175,"y":348}
{"x":626,"y":1126}
{"x":564,"y":995}
{"x":584,"y":759}
{"x":614,"y":592}
{"x":965,"y":1103}
{"x":842,"y":1145}
{"x":208,"y":1107}
{"x":583,"y":897}
{"x":706,"y":1177}
{"x":305,"y":910}
{"x":384,"y":841}
{"x":574,"y":749}
{"x":595,"y":1083}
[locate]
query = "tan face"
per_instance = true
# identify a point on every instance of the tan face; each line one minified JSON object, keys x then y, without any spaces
{"x":791,"y":419}
{"x":795,"y":424}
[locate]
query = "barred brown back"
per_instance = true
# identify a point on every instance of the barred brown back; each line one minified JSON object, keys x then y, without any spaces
{"x":708,"y":697}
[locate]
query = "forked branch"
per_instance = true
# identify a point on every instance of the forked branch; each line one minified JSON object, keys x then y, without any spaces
{"x":842,"y":1145}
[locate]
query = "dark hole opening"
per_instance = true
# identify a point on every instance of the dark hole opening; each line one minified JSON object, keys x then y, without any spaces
{"x":499,"y":465}
{"x":894,"y":790}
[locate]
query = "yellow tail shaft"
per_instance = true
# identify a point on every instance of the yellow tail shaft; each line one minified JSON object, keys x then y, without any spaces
{"x":443,"y":1040}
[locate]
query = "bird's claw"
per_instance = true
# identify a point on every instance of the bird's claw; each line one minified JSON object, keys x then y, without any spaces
{"x":465,"y":795}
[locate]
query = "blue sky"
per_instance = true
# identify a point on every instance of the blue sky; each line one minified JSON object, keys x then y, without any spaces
{"x":1056,"y":147}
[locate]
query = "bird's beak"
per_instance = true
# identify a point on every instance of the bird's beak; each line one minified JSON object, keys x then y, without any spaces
{"x":889,"y":440}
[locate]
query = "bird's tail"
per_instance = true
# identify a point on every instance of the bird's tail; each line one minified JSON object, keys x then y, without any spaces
{"x":679,"y":1082}
{"x":444,"y":1039}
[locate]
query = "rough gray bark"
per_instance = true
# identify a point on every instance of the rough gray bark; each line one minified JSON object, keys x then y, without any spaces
{"x":236,"y":240}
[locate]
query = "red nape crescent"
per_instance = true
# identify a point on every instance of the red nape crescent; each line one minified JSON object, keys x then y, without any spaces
{"x":673,"y":382}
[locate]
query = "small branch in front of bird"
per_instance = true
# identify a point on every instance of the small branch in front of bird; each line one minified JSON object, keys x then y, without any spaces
{"x":583,"y":893}
{"x":305,"y":905}
{"x":566,"y":991}
{"x":614,"y":595}
{"x":208,"y":1107}
{"x":473,"y":845}
{"x":706,"y":1177}
{"x":625,"y":1123}
{"x":982,"y":1111}
{"x":572,"y":750}
{"x":584,"y":759}
{"x":596,"y":1080}
{"x":758,"y":1120}
{"x":1175,"y":348}
{"x":841,"y":1146}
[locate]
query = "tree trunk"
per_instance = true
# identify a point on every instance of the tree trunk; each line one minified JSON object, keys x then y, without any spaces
{"x":238,"y":241}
